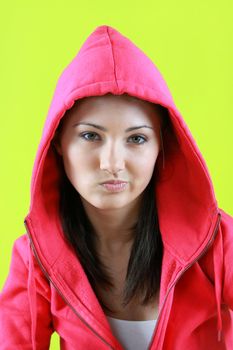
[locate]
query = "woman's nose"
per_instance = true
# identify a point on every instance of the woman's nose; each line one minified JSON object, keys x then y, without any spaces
{"x":112,"y":158}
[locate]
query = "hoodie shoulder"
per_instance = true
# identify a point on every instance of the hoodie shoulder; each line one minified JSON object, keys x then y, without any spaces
{"x":226,"y":216}
{"x":227,"y":227}
{"x":21,"y":248}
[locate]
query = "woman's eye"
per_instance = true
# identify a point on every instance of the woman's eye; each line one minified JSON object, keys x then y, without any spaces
{"x":90,"y":136}
{"x":138,"y":139}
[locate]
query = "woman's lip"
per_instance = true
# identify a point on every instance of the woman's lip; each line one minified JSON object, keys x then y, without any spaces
{"x":114,"y":182}
{"x":114,"y":187}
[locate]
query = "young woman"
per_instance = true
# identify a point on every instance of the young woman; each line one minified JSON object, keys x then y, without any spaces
{"x":126,"y":247}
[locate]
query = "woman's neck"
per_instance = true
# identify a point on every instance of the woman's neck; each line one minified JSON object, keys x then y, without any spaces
{"x":113,"y":227}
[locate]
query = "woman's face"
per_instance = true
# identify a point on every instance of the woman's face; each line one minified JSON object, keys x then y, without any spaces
{"x":110,"y":138}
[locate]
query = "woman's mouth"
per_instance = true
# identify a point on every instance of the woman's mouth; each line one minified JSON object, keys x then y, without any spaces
{"x":115,"y":186}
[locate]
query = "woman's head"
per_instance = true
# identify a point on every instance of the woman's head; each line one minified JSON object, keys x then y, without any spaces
{"x":110,"y":137}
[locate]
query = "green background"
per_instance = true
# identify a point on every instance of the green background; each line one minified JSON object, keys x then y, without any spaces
{"x":190,"y":42}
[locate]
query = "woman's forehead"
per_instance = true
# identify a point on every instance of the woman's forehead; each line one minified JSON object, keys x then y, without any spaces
{"x":110,"y":99}
{"x":123,"y":107}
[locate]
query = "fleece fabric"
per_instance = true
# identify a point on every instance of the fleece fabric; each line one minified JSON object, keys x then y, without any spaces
{"x":47,"y":289}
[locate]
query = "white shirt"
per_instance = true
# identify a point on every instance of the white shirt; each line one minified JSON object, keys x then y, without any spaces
{"x":133,"y":335}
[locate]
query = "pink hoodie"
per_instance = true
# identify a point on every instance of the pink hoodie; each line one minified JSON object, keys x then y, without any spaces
{"x":47,"y":289}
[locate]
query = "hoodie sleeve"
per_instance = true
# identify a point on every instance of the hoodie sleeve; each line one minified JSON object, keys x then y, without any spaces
{"x":25,"y":318}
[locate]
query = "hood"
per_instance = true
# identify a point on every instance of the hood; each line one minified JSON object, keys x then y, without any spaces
{"x":108,"y":62}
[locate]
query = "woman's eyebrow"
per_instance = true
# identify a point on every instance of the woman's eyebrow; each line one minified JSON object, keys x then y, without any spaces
{"x":104,"y":129}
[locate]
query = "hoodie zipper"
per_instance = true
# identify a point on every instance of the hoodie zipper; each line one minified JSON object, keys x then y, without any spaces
{"x":181,"y":274}
{"x":58,"y":290}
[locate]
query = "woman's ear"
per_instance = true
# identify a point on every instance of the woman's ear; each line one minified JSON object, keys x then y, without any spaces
{"x":57,"y":144}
